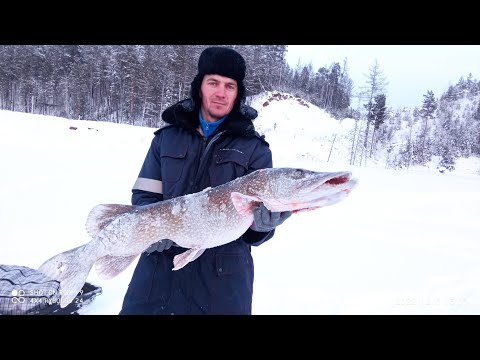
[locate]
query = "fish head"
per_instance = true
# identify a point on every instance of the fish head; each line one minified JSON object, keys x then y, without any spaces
{"x":297,"y":189}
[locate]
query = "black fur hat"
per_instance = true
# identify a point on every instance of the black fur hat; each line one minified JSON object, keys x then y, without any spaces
{"x":222,"y":61}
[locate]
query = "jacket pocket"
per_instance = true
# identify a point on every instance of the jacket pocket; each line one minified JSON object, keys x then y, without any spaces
{"x":151,"y":281}
{"x":173,"y":161}
{"x":229,"y":164}
{"x":229,"y":264}
{"x":233,"y":287}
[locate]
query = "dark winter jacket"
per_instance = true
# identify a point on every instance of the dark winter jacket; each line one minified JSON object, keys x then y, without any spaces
{"x":220,"y":281}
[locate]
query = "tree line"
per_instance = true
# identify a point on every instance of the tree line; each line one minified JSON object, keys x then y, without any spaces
{"x":447,"y":127}
{"x":133,"y":84}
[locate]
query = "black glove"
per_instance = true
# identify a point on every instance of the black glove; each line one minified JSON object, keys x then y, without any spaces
{"x":159,"y":246}
{"x":264,"y":220}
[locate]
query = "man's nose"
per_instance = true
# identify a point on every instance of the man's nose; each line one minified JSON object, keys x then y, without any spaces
{"x":221,"y":90}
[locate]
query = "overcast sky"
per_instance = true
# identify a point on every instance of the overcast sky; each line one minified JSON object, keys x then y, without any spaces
{"x":411,"y":70}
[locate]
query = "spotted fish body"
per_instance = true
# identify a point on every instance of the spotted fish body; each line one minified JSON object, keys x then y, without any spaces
{"x":206,"y":219}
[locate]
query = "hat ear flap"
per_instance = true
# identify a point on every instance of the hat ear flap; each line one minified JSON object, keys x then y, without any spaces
{"x":241,"y":95}
{"x":195,"y":90}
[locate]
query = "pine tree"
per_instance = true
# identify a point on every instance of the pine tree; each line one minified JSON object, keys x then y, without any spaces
{"x":376,"y":85}
{"x":378,"y":114}
{"x":427,"y":113}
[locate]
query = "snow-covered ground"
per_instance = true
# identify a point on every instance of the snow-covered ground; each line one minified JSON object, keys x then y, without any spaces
{"x":403,"y":242}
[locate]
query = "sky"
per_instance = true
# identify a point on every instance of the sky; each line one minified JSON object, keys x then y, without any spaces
{"x":410,"y":70}
{"x":403,"y":242}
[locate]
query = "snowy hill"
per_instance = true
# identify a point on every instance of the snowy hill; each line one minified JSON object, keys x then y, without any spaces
{"x":285,"y":119}
{"x":316,"y":136}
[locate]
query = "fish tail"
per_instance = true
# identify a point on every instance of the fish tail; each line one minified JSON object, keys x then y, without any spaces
{"x":70,"y":270}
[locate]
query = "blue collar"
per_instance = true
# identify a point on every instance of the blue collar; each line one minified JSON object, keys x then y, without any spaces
{"x":209,"y":128}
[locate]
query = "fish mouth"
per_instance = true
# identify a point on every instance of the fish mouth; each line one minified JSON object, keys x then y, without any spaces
{"x":329,"y":191}
{"x":320,"y":181}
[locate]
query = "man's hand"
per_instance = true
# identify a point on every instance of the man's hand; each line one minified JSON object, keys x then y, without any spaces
{"x":264,"y":220}
{"x":159,"y":246}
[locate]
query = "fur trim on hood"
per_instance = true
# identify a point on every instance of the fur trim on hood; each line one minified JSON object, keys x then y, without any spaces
{"x":185,"y":114}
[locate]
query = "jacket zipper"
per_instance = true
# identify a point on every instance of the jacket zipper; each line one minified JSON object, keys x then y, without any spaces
{"x":203,"y":156}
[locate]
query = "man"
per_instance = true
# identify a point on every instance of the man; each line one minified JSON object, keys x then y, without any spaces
{"x":210,"y":140}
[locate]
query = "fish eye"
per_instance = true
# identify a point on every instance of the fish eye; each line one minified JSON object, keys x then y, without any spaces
{"x":298,"y":173}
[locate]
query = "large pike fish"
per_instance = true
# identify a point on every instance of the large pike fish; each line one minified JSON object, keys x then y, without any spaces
{"x":209,"y":218}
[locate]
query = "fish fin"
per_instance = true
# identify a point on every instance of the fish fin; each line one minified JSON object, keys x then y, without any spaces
{"x":70,"y":270}
{"x":243,"y":203}
{"x":101,"y":215}
{"x":108,"y":267}
{"x":180,"y":260}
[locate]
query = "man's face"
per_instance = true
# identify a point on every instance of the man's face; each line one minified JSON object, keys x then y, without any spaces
{"x":218,"y":94}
